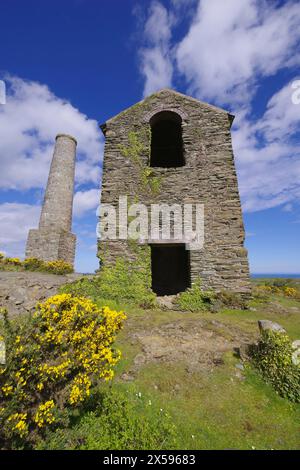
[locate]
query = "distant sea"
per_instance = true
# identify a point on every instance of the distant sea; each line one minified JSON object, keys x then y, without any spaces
{"x":287,"y":276}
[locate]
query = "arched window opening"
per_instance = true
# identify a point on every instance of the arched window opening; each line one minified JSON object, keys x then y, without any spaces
{"x":166,"y":140}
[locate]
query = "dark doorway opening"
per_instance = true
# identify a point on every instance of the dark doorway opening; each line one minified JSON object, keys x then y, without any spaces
{"x":166,"y":140}
{"x":170,"y":266}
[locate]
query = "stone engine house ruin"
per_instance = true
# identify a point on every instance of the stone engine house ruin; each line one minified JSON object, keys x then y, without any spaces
{"x":53,"y":240}
{"x":173,"y":149}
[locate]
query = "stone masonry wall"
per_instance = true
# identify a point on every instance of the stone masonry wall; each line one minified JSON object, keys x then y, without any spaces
{"x":53,"y":239}
{"x":208,"y":177}
{"x":48,"y":245}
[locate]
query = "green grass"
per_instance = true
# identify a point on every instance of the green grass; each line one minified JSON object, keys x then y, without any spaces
{"x":218,"y":411}
{"x":218,"y":408}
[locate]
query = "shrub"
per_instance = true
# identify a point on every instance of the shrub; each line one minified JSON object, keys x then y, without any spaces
{"x":53,"y":360}
{"x":119,"y":422}
{"x":124,"y":282}
{"x":127,"y":282}
{"x":33,"y":264}
{"x":13,"y":261}
{"x":231,"y":299}
{"x":273,"y":358}
{"x":280,"y":287}
{"x":279,"y":282}
{"x":57,"y":267}
{"x":194,"y":298}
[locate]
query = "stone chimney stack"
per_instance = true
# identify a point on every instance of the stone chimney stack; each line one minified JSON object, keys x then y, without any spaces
{"x":53,"y":239}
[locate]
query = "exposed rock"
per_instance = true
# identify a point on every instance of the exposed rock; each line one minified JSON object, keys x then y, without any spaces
{"x":2,"y":352}
{"x":21,"y":291}
{"x":270,"y":325}
{"x":166,"y":302}
{"x":127,"y":377}
{"x":244,"y":351}
{"x":216,"y":306}
{"x":200,"y":348}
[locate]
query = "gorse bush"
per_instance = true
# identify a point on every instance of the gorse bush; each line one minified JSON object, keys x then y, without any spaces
{"x":118,"y":422}
{"x":35,"y":264}
{"x":53,"y":360}
{"x":279,"y":282}
{"x":124,"y":282}
{"x":53,"y":267}
{"x":57,"y":267}
{"x":13,"y":261}
{"x":284,"y":287}
{"x":273,"y":358}
{"x":194,"y":298}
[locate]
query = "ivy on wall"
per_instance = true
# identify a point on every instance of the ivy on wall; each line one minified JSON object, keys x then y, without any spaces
{"x":134,"y":151}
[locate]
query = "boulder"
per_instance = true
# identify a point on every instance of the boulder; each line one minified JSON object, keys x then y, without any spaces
{"x":265,"y":325}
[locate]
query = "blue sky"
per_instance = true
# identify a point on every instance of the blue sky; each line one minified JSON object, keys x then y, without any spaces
{"x":70,"y":65}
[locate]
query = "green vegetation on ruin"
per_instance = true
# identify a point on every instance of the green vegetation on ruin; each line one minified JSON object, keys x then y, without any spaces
{"x":134,"y":151}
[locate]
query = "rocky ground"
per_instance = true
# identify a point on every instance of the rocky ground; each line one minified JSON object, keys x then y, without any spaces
{"x":160,"y":336}
{"x":200,"y":340}
{"x":20,"y":291}
{"x":199,"y":343}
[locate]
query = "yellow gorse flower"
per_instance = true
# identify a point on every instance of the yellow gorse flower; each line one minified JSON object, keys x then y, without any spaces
{"x":19,"y":425}
{"x":70,"y":348}
{"x":7,"y":389}
{"x":44,"y":414}
{"x":280,"y":290}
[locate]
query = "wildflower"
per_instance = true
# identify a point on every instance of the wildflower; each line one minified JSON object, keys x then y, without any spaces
{"x":44,"y":414}
{"x":70,"y":349}
{"x":7,"y":389}
{"x":19,"y":424}
{"x":40,"y":386}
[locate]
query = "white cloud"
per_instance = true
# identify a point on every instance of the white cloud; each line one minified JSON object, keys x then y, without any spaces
{"x":15,"y":221}
{"x":155,"y":55}
{"x":227,"y":51}
{"x":288,"y":208}
{"x":29,"y":122}
{"x":250,"y":234}
{"x":231,"y":44}
{"x":282,"y":116}
{"x":85,"y":201}
{"x":268,"y":155}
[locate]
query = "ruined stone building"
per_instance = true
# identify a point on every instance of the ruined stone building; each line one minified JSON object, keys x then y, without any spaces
{"x":171,"y":148}
{"x":53,"y":240}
